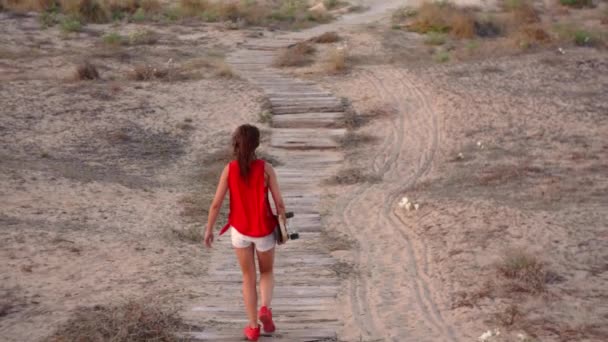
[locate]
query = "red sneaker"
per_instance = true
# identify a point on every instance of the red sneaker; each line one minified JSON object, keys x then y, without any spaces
{"x":252,"y":334}
{"x":265,"y":316}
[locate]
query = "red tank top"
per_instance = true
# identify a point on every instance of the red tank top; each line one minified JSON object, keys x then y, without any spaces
{"x":250,"y":211}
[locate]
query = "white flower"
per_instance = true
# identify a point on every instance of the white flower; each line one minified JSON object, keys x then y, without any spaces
{"x":416,"y":206}
{"x":460,"y":155}
{"x":521,"y":336}
{"x":479,"y":143}
{"x":408,"y":206}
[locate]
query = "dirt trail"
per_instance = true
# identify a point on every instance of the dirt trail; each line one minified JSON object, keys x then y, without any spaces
{"x":390,"y":295}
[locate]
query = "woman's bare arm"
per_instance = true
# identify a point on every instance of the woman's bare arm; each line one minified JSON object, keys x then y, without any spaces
{"x":216,"y":204}
{"x":273,"y":184}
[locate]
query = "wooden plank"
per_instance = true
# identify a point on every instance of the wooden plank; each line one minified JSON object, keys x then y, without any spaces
{"x":308,"y":120}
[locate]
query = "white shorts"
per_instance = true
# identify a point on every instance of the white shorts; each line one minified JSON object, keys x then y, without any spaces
{"x":262,"y":244}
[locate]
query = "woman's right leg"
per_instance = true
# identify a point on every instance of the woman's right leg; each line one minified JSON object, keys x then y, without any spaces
{"x":247,"y":261}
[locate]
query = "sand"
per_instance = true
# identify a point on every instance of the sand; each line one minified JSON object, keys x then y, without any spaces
{"x":94,"y":177}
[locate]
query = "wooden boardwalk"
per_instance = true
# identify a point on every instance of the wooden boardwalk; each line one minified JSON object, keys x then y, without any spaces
{"x":307,"y":124}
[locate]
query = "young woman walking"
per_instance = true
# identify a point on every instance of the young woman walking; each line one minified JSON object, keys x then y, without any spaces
{"x":251,"y":223}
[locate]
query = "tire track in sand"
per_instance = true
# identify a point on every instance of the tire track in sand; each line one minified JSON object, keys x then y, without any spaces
{"x":408,"y":158}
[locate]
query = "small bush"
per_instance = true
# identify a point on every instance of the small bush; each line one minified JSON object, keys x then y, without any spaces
{"x":88,"y":10}
{"x":584,"y":38}
{"x":150,"y":6}
{"x":145,"y":72}
{"x":134,"y":321}
{"x":296,"y":55}
{"x":577,"y":3}
{"x":86,"y":71}
{"x":143,"y":37}
{"x":113,"y":38}
{"x":434,"y":38}
{"x":336,"y":61}
{"x":402,"y":14}
{"x":192,"y":8}
{"x":522,"y":11}
{"x":70,"y":24}
{"x":531,"y":35}
{"x":526,"y":272}
{"x":441,"y":56}
{"x":326,"y":38}
{"x":441,"y":18}
{"x":28,"y":5}
{"x":48,"y":19}
{"x":139,"y":15}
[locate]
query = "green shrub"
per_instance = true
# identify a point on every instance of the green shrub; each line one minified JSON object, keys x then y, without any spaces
{"x":441,"y":56}
{"x":70,"y":24}
{"x":584,"y":38}
{"x":139,"y":15}
{"x":577,"y":3}
{"x":113,"y":38}
{"x":435,"y":38}
{"x":48,"y":19}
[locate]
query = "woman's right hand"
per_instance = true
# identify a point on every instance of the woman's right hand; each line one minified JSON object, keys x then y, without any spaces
{"x":208,"y":238}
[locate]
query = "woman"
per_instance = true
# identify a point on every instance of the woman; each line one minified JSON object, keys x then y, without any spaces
{"x":251,"y":222}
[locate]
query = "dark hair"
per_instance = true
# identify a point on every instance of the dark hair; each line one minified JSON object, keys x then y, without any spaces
{"x":245,"y":140}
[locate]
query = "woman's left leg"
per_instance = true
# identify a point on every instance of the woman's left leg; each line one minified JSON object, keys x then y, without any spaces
{"x":247,"y":261}
{"x":266,"y":263}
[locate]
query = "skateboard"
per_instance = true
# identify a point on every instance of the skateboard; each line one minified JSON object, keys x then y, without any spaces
{"x":283,"y":233}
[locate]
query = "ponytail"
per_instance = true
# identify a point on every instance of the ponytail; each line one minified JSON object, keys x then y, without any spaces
{"x":245,"y":140}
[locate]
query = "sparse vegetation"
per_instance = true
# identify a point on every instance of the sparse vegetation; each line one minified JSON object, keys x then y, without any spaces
{"x":352,"y":176}
{"x":441,"y":56}
{"x":86,"y":71}
{"x":438,"y":17}
{"x":435,"y":38}
{"x":296,"y":55}
{"x":525,"y":272}
{"x":133,"y":321}
{"x":191,"y":233}
{"x":577,"y":3}
{"x":326,"y":38}
{"x":113,"y":38}
{"x":336,"y":61}
{"x":147,"y":72}
{"x":264,"y":116}
{"x":70,"y":24}
{"x":143,"y":37}
{"x":584,"y":38}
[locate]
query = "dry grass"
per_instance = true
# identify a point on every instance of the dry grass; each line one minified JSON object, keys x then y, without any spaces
{"x":522,"y":12}
{"x":217,"y":67}
{"x":143,"y":37}
{"x":326,"y":38}
{"x":530,"y":35}
{"x":131,"y":322}
{"x":297,"y":55}
{"x":93,"y":11}
{"x":523,"y":271}
{"x":147,"y":72}
{"x":27,"y":5}
{"x":440,"y":17}
{"x":86,"y":71}
{"x":336,"y":61}
{"x":505,"y":173}
{"x":352,"y":176}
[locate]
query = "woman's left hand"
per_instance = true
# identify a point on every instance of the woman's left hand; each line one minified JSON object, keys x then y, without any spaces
{"x":208,"y":238}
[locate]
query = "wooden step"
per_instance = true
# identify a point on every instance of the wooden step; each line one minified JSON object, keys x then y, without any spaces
{"x":309,"y":120}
